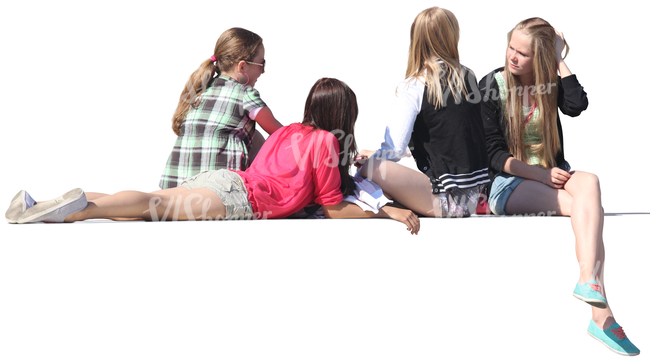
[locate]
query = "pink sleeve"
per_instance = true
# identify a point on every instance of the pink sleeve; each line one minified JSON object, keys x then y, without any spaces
{"x":327,"y":179}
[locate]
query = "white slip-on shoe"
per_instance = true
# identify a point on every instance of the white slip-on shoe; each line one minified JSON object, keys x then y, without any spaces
{"x":56,"y":210}
{"x":21,"y":202}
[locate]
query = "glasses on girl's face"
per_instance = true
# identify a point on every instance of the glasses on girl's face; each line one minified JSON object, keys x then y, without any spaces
{"x":263,"y":64}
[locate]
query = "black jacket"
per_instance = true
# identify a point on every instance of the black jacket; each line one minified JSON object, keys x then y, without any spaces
{"x":448,"y":144}
{"x":571,"y":100}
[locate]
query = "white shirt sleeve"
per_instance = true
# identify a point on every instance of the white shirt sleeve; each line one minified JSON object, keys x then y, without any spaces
{"x":406,"y":108}
{"x":253,"y":114}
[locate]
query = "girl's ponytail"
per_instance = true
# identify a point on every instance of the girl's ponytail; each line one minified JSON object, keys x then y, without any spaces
{"x":190,"y":96}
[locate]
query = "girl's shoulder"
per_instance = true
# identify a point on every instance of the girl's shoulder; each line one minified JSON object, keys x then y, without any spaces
{"x":305,"y":138}
{"x":413,"y":85}
{"x":467,"y":71}
{"x":490,"y":78}
{"x":305,"y":130}
{"x":223,"y":81}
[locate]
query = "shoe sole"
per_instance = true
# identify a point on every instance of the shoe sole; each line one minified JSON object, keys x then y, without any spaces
{"x":596,"y":303}
{"x":75,"y":195}
{"x":609,"y":347}
{"x":13,"y":213}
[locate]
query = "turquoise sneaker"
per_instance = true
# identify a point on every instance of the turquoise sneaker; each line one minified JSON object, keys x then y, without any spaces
{"x":589,"y":292}
{"x":614,"y":338}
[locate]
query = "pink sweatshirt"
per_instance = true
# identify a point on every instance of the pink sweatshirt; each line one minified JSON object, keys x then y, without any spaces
{"x":296,"y":166}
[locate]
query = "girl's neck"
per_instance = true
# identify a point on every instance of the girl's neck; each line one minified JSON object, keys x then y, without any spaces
{"x":527,"y":80}
{"x":527,"y":83}
{"x":230,"y":75}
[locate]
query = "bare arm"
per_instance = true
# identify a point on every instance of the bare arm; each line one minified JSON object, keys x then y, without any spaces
{"x":267,"y":121}
{"x":346,"y":210}
{"x":564,"y":70}
{"x":554,"y":177}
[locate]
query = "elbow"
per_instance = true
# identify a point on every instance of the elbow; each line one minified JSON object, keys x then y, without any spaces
{"x":330,"y":213}
{"x":499,"y":162}
{"x":574,"y":112}
{"x":575,"y":108}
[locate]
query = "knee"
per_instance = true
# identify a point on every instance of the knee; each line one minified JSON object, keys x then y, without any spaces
{"x":590,"y":182}
{"x":592,"y":179}
{"x":374,"y":169}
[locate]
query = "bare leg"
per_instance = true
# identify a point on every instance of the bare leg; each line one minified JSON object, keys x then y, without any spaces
{"x":409,"y":187}
{"x":92,"y":196}
{"x":599,"y":315}
{"x":169,"y":204}
{"x":588,"y":216}
{"x":581,"y":200}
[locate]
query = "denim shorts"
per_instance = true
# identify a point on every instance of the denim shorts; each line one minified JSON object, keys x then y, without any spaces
{"x":502,"y":186}
{"x":229,"y":187}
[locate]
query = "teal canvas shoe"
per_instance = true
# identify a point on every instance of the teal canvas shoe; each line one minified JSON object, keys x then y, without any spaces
{"x":589,"y":292}
{"x":614,"y":338}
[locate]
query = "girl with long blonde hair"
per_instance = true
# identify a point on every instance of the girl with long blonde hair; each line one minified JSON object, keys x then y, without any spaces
{"x":530,"y":174}
{"x":436,"y":117}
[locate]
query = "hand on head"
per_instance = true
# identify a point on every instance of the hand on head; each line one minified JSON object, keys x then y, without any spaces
{"x":559,"y":45}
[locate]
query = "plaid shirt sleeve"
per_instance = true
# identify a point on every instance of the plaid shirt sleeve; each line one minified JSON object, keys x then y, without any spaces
{"x":252,"y":100}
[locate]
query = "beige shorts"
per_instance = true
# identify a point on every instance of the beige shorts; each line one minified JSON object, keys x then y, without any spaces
{"x":229,"y":187}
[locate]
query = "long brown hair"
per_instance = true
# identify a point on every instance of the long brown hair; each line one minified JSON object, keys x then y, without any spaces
{"x":233,"y":46}
{"x":542,"y":37}
{"x":332,"y":106}
{"x":433,"y":54}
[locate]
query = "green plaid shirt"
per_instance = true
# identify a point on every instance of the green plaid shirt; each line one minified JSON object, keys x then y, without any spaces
{"x":215,"y":135}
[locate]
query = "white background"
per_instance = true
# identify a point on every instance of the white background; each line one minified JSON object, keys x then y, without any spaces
{"x":87,"y":93}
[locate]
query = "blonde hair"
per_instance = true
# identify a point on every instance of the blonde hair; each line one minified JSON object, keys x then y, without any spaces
{"x":434,"y":38}
{"x":233,"y":46}
{"x":542,"y":37}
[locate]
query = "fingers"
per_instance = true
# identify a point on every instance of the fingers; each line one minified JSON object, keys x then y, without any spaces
{"x":366,"y":153}
{"x":558,"y":178}
{"x":556,"y":183}
{"x":413,"y":223}
{"x":416,"y":229}
{"x":360,"y":160}
{"x":561,"y":175}
{"x":362,"y":157}
{"x":559,"y":43}
{"x":406,"y":217}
